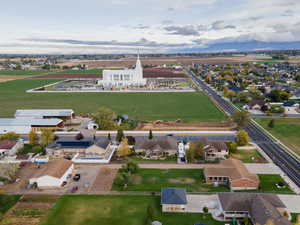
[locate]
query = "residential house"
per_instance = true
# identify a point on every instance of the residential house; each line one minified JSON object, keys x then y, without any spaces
{"x":255,"y":105}
{"x":260,"y":208}
{"x":85,"y":148}
{"x":173,"y":199}
{"x":157,"y":147}
{"x":52,"y":174}
{"x":233,"y":173}
{"x":9,"y":147}
{"x":214,"y":150}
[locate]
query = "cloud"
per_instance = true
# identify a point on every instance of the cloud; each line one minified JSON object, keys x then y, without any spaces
{"x":187,"y":30}
{"x":143,"y":42}
{"x":288,"y":13}
{"x":221,"y":25}
{"x":255,"y":18}
{"x":167,"y":22}
{"x":141,"y":27}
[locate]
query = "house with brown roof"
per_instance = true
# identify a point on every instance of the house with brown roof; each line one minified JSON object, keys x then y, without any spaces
{"x":52,"y":174}
{"x":214,"y":150}
{"x":260,"y":208}
{"x":233,"y":173}
{"x":157,"y":146}
{"x":9,"y":147}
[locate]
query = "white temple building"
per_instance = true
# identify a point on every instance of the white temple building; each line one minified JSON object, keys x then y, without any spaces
{"x":123,"y":78}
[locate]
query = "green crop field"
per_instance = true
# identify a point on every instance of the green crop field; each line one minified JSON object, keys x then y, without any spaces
{"x":24,"y":72}
{"x":91,"y":71}
{"x":286,"y":130}
{"x":193,"y":106}
{"x":117,"y":210}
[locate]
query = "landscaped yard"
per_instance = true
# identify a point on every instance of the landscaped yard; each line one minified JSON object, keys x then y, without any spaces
{"x":7,"y":201}
{"x":143,"y":106}
{"x":248,"y":156}
{"x":155,"y":179}
{"x":286,"y":130}
{"x":113,"y":210}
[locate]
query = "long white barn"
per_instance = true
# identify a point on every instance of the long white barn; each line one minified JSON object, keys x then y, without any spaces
{"x":126,"y":77}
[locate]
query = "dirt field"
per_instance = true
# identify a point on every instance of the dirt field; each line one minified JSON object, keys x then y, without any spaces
{"x":30,"y":210}
{"x":8,"y":78}
{"x":177,"y":125}
{"x":104,"y":180}
{"x":180,"y":60}
{"x":68,"y":76}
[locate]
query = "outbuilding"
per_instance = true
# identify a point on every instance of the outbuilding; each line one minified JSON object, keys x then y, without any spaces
{"x":173,"y":199}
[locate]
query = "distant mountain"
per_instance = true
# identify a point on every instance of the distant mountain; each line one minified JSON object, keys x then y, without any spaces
{"x":242,"y":47}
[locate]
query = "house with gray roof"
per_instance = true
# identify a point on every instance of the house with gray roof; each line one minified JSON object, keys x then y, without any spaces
{"x":173,"y":199}
{"x":157,"y":147}
{"x":260,"y":208}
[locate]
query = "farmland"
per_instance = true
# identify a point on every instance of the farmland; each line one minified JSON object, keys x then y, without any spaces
{"x":188,"y":107}
{"x":112,"y":210}
{"x":22,"y":72}
{"x":286,"y":130}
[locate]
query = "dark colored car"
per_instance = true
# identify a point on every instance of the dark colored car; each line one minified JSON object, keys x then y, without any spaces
{"x":76,"y":177}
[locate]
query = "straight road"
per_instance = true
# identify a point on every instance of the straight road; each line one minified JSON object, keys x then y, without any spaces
{"x":283,"y":159}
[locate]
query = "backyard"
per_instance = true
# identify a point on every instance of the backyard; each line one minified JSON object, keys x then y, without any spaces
{"x":155,"y":179}
{"x":248,"y":156}
{"x":286,"y":130}
{"x":189,"y":107}
{"x":112,"y":210}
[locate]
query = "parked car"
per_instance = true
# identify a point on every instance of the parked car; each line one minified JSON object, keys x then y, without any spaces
{"x":76,"y":177}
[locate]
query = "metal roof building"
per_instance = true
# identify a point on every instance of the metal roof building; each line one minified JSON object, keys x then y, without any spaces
{"x":44,"y":113}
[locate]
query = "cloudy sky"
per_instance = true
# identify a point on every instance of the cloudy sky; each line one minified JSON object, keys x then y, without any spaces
{"x":154,"y":26}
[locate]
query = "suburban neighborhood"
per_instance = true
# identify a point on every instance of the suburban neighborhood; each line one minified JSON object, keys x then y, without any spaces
{"x":150,"y":112}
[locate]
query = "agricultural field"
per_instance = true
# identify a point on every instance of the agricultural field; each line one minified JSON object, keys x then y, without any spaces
{"x":6,"y":202}
{"x":189,"y":107}
{"x":122,"y":209}
{"x":155,"y":179}
{"x":286,"y":130}
{"x":22,"y":72}
{"x":91,"y":71}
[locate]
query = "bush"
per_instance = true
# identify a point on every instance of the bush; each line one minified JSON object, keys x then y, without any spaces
{"x":232,"y":146}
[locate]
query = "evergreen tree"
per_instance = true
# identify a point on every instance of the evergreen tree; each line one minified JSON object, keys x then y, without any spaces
{"x":150,"y":135}
{"x":271,"y":123}
{"x":120,"y":135}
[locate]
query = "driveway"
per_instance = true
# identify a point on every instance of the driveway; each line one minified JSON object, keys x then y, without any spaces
{"x":88,"y":174}
{"x":263,"y":168}
{"x":196,"y":203}
{"x":292,"y":202}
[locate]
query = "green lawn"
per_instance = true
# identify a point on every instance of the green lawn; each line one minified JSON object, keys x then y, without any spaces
{"x":117,"y":210}
{"x":7,"y":201}
{"x":143,"y":106}
{"x":268,"y":184}
{"x":155,"y":179}
{"x":24,"y":72}
{"x":91,"y":71}
{"x":248,"y":156}
{"x":286,"y":130}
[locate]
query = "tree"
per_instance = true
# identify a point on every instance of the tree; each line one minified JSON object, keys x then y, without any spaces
{"x":33,"y":138}
{"x":198,"y":150}
{"x":9,"y":170}
{"x":246,"y":220}
{"x":123,"y":148}
{"x":79,"y":136}
{"x":47,"y":136}
{"x":230,"y":94}
{"x":12,"y":136}
{"x":120,"y":135}
{"x":242,"y":138}
{"x":122,"y":180}
{"x":132,"y":167}
{"x":109,"y":137}
{"x":150,"y":135}
{"x":150,"y":212}
{"x":232,"y":146}
{"x":104,"y":118}
{"x":205,"y":209}
{"x":190,"y":155}
{"x":241,"y":118}
{"x":271,"y":124}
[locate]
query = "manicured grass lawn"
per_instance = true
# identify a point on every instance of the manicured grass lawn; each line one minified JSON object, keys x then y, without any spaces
{"x":268,"y":184}
{"x":24,"y":72}
{"x":155,"y":179}
{"x":91,"y":71}
{"x":286,"y":130}
{"x":248,"y":156}
{"x":143,"y":106}
{"x":117,"y":210}
{"x":7,"y":201}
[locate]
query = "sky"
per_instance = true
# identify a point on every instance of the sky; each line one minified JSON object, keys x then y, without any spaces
{"x":153,"y":26}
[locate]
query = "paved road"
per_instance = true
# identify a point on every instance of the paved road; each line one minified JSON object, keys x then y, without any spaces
{"x":287,"y":163}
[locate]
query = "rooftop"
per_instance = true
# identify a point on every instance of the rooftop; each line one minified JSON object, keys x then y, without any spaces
{"x":43,"y":112}
{"x":28,"y":122}
{"x":173,"y":196}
